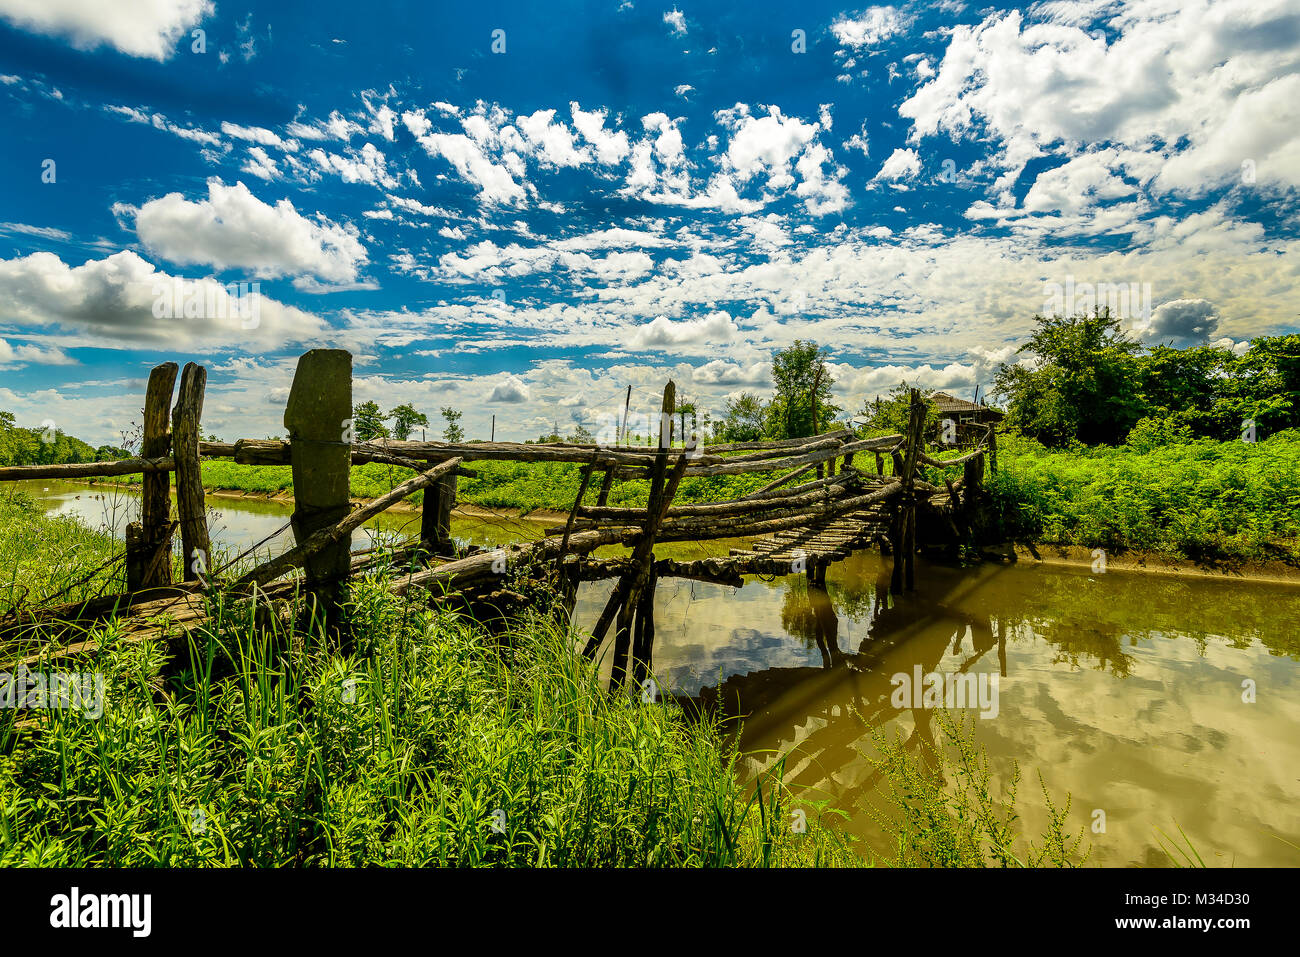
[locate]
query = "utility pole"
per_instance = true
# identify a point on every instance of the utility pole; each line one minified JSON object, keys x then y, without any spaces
{"x":627,"y":404}
{"x":494,"y":428}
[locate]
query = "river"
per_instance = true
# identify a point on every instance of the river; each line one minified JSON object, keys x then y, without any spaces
{"x":1129,"y":691}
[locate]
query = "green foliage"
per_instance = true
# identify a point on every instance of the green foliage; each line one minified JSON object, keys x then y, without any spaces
{"x":1093,"y":385}
{"x":405,"y":419}
{"x":1084,"y":386}
{"x":453,"y":432}
{"x":368,"y":422}
{"x":743,"y":420}
{"x":1154,"y":432}
{"x":1204,"y":500}
{"x":39,"y":446}
{"x":802,"y":383}
{"x":273,"y":749}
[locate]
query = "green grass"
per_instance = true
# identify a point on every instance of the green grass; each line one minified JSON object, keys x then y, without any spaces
{"x":44,"y":559}
{"x":398,"y":753}
{"x":1203,"y":500}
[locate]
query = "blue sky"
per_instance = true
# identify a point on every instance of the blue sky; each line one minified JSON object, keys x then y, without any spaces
{"x":521,"y":209}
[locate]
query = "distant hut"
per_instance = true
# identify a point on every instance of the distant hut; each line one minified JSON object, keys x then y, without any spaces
{"x":965,"y":413}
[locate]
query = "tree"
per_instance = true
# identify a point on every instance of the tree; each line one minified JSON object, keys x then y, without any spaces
{"x":803,"y":389}
{"x":368,"y":422}
{"x":453,"y":433}
{"x":1083,"y":386}
{"x":742,"y":420}
{"x":405,"y":419}
{"x":893,"y":414}
{"x":581,"y":436}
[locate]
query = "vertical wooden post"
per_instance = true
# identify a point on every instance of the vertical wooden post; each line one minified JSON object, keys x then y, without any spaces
{"x":904,"y":573}
{"x":435,"y":518}
{"x":643,"y":646}
{"x":880,"y":464}
{"x":190,"y":508}
{"x":993,"y":450}
{"x":627,"y":405}
{"x":494,"y":428}
{"x":643,"y":553}
{"x":149,"y":545}
{"x":317,"y":417}
{"x":605,"y":484}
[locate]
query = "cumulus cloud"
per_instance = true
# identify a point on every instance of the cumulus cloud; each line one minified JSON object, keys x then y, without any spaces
{"x":511,"y":390}
{"x":233,"y":229}
{"x":114,"y":299}
{"x":677,"y":20}
{"x":1181,"y":322}
{"x":1042,"y":83}
{"x":902,"y":164}
{"x":146,"y":28}
{"x":870,"y":28}
{"x":716,"y":327}
{"x":722,"y":372}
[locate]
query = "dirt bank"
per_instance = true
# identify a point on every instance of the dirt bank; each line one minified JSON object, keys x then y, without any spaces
{"x":1080,"y":557}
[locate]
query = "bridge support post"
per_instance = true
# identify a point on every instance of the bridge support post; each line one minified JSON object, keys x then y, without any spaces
{"x":317,"y":417}
{"x":190,"y":508}
{"x":149,"y":541}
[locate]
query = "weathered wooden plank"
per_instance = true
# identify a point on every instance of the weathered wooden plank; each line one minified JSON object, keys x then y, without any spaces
{"x":191,"y":509}
{"x":74,"y":470}
{"x":149,"y":545}
{"x":317,"y":417}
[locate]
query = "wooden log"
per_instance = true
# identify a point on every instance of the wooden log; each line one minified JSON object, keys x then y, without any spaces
{"x":661,"y":497}
{"x":643,"y":646}
{"x":317,"y":417}
{"x":880,"y":464}
{"x":992,"y":442}
{"x":827,"y":489}
{"x":75,"y":470}
{"x":606,"y":483}
{"x":842,"y":435}
{"x":612,"y":605}
{"x":191,"y":509}
{"x":435,"y":516}
{"x":341,"y":531}
{"x":771,"y":486}
{"x":150,"y":566}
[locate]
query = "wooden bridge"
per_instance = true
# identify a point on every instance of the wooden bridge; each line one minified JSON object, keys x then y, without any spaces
{"x":855,"y":493}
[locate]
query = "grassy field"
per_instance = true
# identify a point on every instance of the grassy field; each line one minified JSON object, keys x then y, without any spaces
{"x":1202,"y":500}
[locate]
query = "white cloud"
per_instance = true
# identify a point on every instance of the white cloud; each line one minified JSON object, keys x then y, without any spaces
{"x":660,"y":332}
{"x":902,"y":164}
{"x":872,"y":27}
{"x":144,"y":28}
{"x":677,"y":20}
{"x":1200,"y":87}
{"x":233,"y":229}
{"x":113,"y":299}
{"x":611,"y":145}
{"x":512,"y":390}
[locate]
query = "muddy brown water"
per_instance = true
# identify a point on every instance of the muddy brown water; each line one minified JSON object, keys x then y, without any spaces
{"x":1130,"y":692}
